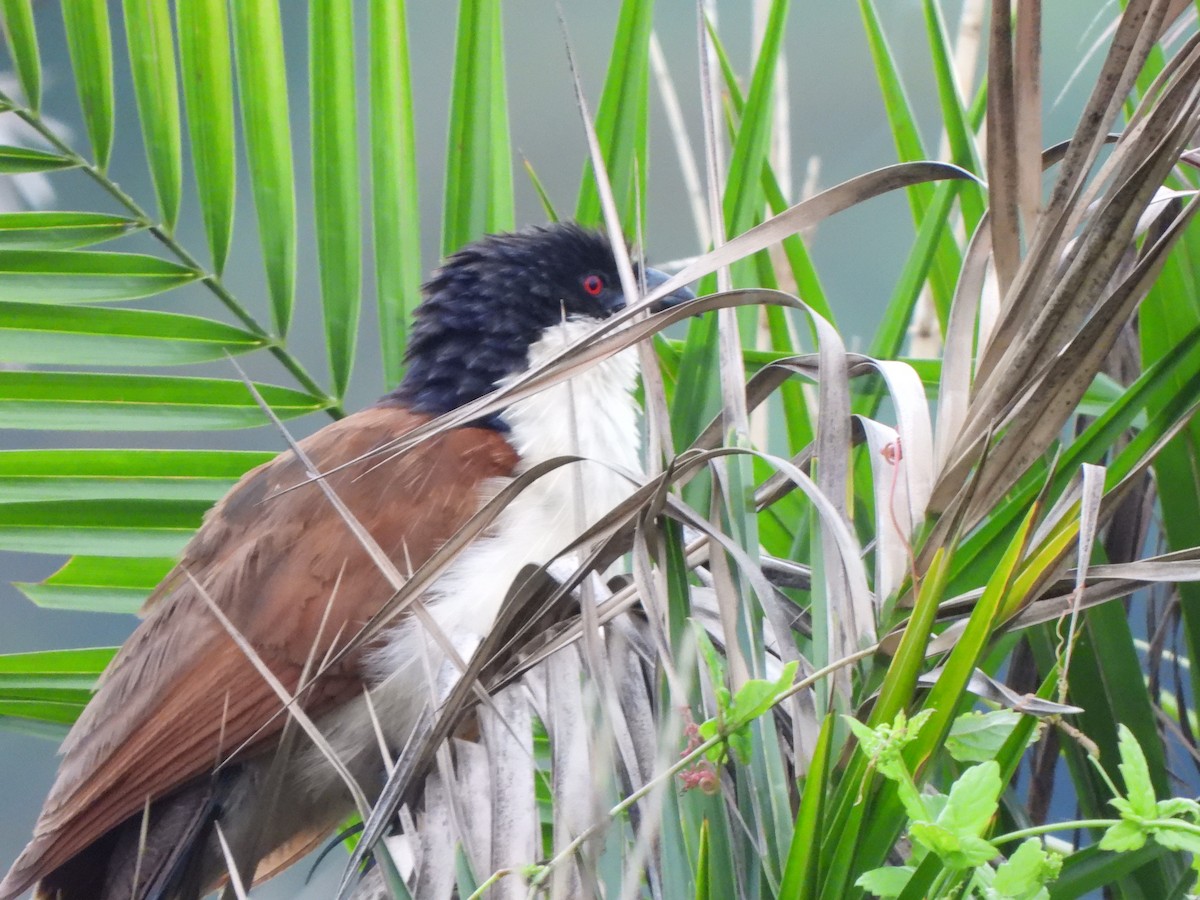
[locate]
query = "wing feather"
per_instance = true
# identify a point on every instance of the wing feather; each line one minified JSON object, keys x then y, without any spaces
{"x":180,"y":693}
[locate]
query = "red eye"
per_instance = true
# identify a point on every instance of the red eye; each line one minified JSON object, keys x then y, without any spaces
{"x":593,"y":284}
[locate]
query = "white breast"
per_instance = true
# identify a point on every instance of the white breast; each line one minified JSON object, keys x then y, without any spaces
{"x":593,"y":415}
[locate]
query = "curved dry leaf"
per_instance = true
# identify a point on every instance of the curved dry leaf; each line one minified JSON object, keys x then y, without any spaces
{"x":893,"y":520}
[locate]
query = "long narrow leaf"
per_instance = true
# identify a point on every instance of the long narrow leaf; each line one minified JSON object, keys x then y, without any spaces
{"x":19,"y":31}
{"x":100,"y":527}
{"x":621,"y":116}
{"x":90,"y":44}
{"x":262,"y":91}
{"x":80,"y":276}
{"x":207,"y":67}
{"x":72,"y":401}
{"x":478,"y":195}
{"x":152,"y":58}
{"x":394,"y":207}
{"x":100,"y":583}
{"x":335,"y":180}
{"x":19,"y":160}
{"x":61,"y":230}
{"x":99,"y":336}
{"x":119,"y":474}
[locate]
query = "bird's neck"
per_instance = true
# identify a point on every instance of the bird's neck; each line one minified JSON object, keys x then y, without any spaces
{"x":594,"y":415}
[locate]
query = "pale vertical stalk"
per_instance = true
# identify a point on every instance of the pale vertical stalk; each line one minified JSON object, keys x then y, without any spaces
{"x":1027,"y":72}
{"x":686,"y":156}
{"x":780,"y":157}
{"x":925,"y":340}
{"x":733,"y":412}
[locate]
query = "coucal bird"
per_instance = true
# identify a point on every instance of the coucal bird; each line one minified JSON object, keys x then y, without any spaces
{"x":277,"y":558}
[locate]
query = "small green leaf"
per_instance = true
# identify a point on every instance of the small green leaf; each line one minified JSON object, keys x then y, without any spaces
{"x":90,"y":44}
{"x":973,"y":800}
{"x":1178,"y":808}
{"x":82,"y":276}
{"x":61,"y":230}
{"x":1029,"y":868}
{"x":19,"y":160}
{"x":756,"y":696}
{"x":152,"y":62}
{"x":100,"y":336}
{"x":1177,"y":839}
{"x":752,"y":699}
{"x":1139,"y":790}
{"x":868,"y":738}
{"x":888,"y":881}
{"x":81,"y":401}
{"x":19,"y":31}
{"x":1124,"y":836}
{"x":978,"y":737}
{"x":955,"y":850}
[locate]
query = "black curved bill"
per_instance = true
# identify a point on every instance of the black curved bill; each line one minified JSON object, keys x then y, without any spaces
{"x":654,"y":279}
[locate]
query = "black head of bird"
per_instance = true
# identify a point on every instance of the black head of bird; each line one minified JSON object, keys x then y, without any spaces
{"x":496,"y":298}
{"x":185,"y":728}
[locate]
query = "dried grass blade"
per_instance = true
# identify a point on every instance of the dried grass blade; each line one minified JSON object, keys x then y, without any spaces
{"x":893,"y":522}
{"x":575,"y":802}
{"x":1130,"y":47}
{"x":1002,"y":163}
{"x":1027,"y":96}
{"x":508,"y":735}
{"x":1063,"y":381}
{"x":436,"y":838}
{"x":1089,"y":514}
{"x":684,"y":152}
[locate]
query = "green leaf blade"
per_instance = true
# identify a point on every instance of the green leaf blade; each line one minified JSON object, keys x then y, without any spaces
{"x":335,"y":180}
{"x":21,"y":34}
{"x":20,"y":160}
{"x":45,"y":334}
{"x":81,"y":276}
{"x":207,"y":67}
{"x":74,"y":401}
{"x":394,"y":202}
{"x":743,"y":195}
{"x":100,"y":583}
{"x":155,"y":83}
{"x":262,"y":90}
{"x":621,"y":117}
{"x":61,"y":230}
{"x":29,"y":475}
{"x":100,"y":527}
{"x":478,"y":197}
{"x":90,"y":45}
